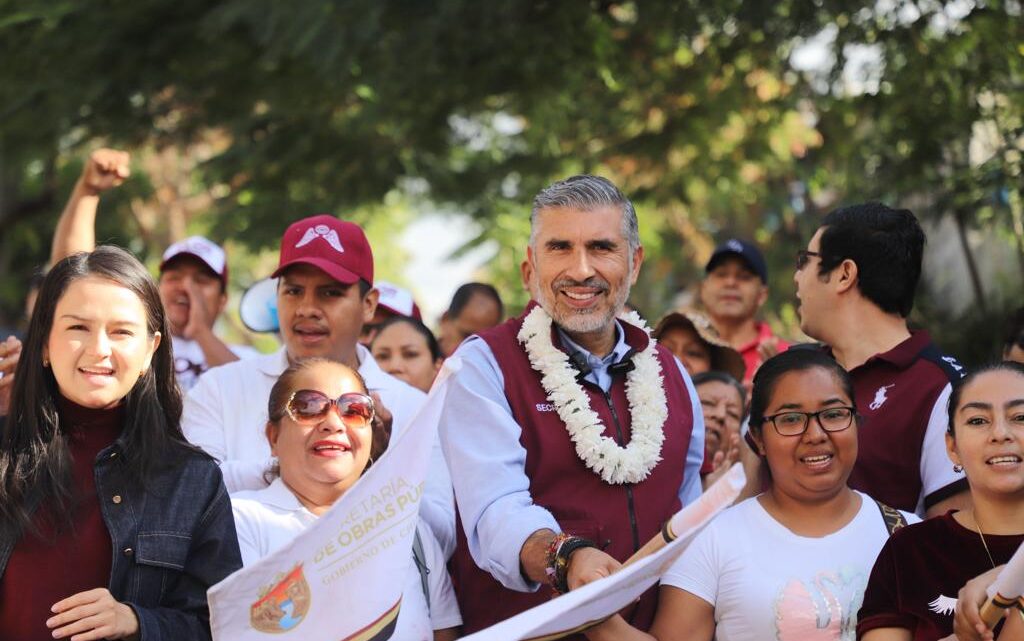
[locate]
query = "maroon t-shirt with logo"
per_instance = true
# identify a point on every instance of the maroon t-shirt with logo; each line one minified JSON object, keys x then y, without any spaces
{"x":919,"y":572}
{"x":901,"y":397}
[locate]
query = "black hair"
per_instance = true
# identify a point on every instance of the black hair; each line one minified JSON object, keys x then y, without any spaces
{"x":282,"y":391}
{"x":791,"y":360}
{"x":466,"y":292}
{"x":887,"y":246}
{"x":424,"y":331}
{"x":35,"y":463}
{"x":721,"y":377}
{"x":959,"y":385}
{"x":1014,"y":331}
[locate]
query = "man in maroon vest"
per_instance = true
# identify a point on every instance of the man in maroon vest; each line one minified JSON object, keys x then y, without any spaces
{"x":570,"y":435}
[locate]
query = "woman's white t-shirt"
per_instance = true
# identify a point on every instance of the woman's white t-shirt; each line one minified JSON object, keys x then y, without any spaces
{"x":765,"y":582}
{"x":268,"y":519}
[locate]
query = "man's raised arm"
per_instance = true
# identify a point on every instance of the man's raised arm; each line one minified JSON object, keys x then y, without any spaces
{"x":76,"y":229}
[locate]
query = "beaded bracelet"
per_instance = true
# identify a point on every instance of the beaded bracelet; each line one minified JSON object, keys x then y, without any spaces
{"x":559,"y":551}
{"x":553,"y":546}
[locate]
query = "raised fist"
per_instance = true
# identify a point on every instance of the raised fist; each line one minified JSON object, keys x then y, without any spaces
{"x":104,"y":169}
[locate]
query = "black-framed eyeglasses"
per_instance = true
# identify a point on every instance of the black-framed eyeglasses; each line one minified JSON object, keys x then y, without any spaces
{"x":803,"y":257}
{"x":831,"y":419}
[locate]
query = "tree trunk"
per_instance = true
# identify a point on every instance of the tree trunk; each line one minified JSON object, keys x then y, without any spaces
{"x":972,"y":266}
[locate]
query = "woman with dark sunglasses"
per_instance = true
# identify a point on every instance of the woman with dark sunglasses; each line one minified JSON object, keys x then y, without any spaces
{"x":790,"y":564}
{"x":324,"y":433}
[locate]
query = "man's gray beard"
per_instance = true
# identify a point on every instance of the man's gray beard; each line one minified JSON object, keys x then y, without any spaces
{"x":584,"y":322}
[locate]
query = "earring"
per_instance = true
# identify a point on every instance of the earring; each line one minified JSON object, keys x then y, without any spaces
{"x":958,"y":468}
{"x":46,"y":362}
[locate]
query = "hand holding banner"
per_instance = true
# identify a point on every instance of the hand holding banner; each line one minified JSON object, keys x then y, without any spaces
{"x":595,"y":602}
{"x":1005,"y":590}
{"x":361,"y":546}
{"x":717,"y":497}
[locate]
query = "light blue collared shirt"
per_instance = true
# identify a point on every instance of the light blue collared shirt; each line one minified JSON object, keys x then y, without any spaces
{"x":480,"y":439}
{"x":599,"y":374}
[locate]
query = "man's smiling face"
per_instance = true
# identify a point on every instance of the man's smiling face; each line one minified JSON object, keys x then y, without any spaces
{"x":580,"y":268}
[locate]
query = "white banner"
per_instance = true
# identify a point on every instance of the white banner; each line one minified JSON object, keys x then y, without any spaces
{"x":362,"y":546}
{"x":595,"y":602}
{"x":1009,"y":585}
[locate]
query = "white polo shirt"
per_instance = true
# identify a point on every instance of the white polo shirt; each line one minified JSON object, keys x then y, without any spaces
{"x":268,"y":519}
{"x":226,"y":415}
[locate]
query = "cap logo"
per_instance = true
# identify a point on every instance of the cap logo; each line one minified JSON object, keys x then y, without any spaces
{"x":321,"y":231}
{"x":735,"y":245}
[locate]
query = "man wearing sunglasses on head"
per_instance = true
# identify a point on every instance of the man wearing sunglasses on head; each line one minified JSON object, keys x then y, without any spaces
{"x":855,"y":283}
{"x":324,"y":296}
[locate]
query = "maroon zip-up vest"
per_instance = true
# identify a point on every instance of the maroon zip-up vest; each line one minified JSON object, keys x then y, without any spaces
{"x":619,"y":518}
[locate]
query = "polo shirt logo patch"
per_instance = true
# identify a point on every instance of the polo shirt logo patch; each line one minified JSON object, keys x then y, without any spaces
{"x":880,"y":397}
{"x":545,"y":407}
{"x":942,"y":605}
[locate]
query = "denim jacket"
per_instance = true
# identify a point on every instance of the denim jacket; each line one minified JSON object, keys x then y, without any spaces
{"x":172,"y":540}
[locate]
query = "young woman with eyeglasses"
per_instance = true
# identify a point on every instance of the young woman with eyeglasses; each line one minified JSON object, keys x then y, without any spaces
{"x":790,"y":564}
{"x":111,"y":525}
{"x":324,"y":432}
{"x":914,"y":585}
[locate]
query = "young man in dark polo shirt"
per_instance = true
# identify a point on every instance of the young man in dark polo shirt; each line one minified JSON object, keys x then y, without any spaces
{"x":855,"y":283}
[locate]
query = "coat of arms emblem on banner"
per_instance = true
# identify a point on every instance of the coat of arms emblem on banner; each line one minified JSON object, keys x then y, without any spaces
{"x":282,"y":606}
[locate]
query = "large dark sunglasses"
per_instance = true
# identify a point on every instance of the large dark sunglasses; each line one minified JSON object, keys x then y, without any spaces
{"x":832,"y":419}
{"x":310,"y":407}
{"x":803,"y":257}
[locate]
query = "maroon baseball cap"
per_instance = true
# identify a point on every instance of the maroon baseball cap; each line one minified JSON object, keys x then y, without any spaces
{"x":337,"y":247}
{"x":397,"y":300}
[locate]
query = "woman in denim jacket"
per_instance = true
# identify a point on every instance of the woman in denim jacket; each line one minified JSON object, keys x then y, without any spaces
{"x":111,"y":525}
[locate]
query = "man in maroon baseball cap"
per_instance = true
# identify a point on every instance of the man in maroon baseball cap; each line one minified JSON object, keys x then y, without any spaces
{"x":324,"y":292}
{"x":324,"y":295}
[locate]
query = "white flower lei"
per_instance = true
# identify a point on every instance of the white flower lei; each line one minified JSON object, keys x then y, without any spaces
{"x":644,"y":391}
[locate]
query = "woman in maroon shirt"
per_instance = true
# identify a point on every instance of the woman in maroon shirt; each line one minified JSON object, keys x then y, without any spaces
{"x":111,"y":525}
{"x":913,"y":587}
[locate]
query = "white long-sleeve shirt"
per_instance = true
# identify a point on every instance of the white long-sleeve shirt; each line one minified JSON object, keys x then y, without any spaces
{"x":487,"y":462}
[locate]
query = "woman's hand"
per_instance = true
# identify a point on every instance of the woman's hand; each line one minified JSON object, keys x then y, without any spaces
{"x":967,"y":623}
{"x":91,"y":615}
{"x":723,"y":460}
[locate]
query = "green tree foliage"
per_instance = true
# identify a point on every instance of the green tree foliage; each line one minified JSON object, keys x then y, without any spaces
{"x":699,"y":110}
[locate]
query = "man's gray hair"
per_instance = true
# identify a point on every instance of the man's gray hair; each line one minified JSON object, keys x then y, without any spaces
{"x":586,"y":193}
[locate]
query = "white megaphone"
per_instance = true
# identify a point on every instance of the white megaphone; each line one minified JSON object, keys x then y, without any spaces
{"x":258,"y":309}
